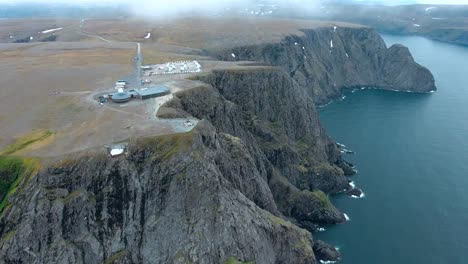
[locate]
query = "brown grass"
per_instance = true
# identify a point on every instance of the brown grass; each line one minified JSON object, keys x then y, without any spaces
{"x":205,"y":32}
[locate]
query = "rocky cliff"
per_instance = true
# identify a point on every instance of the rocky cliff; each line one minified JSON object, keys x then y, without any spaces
{"x":324,"y":61}
{"x":186,"y":198}
{"x":249,"y":183}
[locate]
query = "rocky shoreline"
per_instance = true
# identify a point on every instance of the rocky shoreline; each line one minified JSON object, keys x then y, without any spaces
{"x":249,"y":183}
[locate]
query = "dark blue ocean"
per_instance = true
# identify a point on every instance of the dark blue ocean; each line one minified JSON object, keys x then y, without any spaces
{"x":411,"y":152}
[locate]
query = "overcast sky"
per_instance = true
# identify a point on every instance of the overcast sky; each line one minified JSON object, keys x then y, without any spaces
{"x":170,"y":7}
{"x":207,"y":3}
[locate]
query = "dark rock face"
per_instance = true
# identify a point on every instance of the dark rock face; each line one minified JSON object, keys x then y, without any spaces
{"x":266,"y":109}
{"x":355,"y":192}
{"x":325,"y":61}
{"x":325,"y":252}
{"x":175,"y":199}
{"x":256,"y":169}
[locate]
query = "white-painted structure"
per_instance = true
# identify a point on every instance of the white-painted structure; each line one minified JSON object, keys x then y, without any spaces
{"x":51,"y":30}
{"x":176,"y":67}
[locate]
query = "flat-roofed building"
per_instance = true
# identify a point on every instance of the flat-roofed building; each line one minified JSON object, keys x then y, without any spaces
{"x":153,"y":91}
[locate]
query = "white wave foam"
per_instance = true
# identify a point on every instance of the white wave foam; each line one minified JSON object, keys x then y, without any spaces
{"x":320,"y":229}
{"x":341,"y":145}
{"x":352,"y":184}
{"x":362,"y":195}
{"x":346,"y":217}
{"x":327,"y":261}
{"x":320,"y":106}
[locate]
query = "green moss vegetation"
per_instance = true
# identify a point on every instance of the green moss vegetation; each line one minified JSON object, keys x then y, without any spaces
{"x":328,"y":167}
{"x":323,"y":198}
{"x":302,"y":168}
{"x":279,"y":221}
{"x":303,"y":245}
{"x":26,"y":141}
{"x":165,"y":147}
{"x":306,"y":196}
{"x":116,"y":256}
{"x":13,"y":172}
{"x":302,"y":145}
{"x":6,"y":237}
{"x":181,"y":257}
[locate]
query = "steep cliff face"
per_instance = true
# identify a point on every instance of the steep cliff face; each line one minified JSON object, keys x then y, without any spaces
{"x":326,"y":60}
{"x":266,"y":109}
{"x":240,"y":186}
{"x":184,"y":198}
{"x":223,"y":191}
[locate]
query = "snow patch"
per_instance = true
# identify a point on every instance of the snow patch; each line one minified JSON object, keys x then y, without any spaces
{"x":416,"y":25}
{"x":233,"y":55}
{"x":334,"y":29}
{"x":347,"y":56}
{"x":430,"y":8}
{"x":148,"y":35}
{"x":116,"y":152}
{"x":31,"y":38}
{"x":295,"y":43}
{"x":51,"y":30}
{"x":331,"y":43}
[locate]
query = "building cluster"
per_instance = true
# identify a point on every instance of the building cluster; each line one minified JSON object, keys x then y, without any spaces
{"x":176,"y":67}
{"x":123,"y":96}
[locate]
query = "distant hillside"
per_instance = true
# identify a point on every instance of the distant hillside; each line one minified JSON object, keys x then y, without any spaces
{"x":56,"y":10}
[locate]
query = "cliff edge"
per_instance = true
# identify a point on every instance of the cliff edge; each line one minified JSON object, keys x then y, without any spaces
{"x":324,"y":61}
{"x":249,"y":183}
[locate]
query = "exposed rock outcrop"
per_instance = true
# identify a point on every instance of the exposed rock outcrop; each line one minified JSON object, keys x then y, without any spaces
{"x":174,"y":199}
{"x":237,"y":187}
{"x":326,"y":60}
{"x":325,"y":253}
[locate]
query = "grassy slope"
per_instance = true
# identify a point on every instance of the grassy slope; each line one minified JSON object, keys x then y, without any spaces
{"x":15,"y":170}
